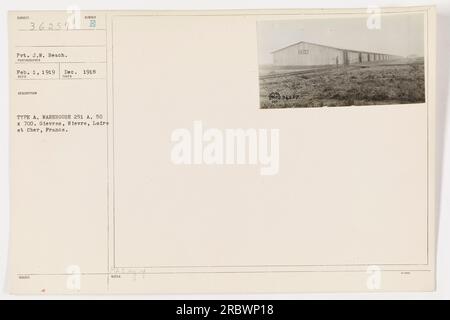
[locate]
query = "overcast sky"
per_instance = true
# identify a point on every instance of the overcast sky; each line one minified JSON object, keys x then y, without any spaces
{"x":400,"y":34}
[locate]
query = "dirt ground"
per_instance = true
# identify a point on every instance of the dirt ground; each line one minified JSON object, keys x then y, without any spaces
{"x":396,"y":82}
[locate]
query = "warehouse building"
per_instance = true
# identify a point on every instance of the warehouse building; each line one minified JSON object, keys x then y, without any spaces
{"x":311,"y":54}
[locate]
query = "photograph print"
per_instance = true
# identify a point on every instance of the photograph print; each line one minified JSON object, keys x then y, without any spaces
{"x":351,"y":61}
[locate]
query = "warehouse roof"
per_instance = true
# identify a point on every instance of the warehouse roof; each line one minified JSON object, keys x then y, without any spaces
{"x":322,"y":45}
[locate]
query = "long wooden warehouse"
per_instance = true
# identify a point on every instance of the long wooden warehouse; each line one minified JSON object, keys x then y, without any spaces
{"x":311,"y":54}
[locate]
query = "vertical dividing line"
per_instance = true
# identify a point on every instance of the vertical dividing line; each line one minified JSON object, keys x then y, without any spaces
{"x":427,"y":95}
{"x":113,"y":147}
{"x":107,"y":155}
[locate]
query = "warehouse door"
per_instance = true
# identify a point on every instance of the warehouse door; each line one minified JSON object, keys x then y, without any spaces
{"x":346,"y":62}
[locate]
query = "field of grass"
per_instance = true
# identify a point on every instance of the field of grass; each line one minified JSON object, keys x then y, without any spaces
{"x":397,"y":82}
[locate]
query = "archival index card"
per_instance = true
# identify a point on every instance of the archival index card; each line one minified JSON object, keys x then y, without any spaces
{"x":222,"y":151}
